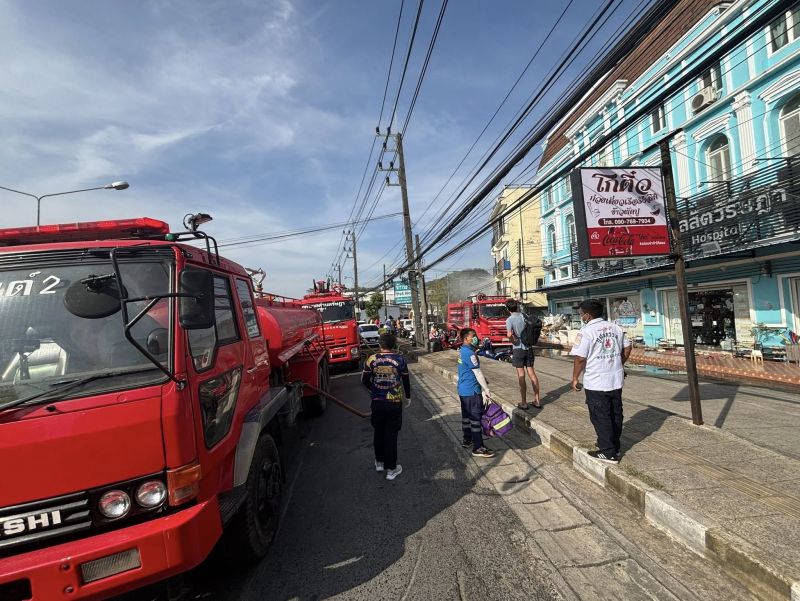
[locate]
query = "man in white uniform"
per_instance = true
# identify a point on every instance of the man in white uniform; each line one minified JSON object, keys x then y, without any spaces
{"x":601,"y":349}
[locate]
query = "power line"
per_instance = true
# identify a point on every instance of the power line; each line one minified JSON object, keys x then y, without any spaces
{"x":405,"y":64}
{"x":425,"y":65}
{"x":296,"y":233}
{"x":644,"y":109}
{"x":731,"y":40}
{"x":391,"y":62}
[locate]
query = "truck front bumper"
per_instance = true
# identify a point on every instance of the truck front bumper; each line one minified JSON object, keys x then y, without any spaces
{"x":100,"y":566}
{"x":343,"y":353}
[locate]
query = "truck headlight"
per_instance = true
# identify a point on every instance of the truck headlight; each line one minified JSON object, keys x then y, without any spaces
{"x":354,"y":351}
{"x":114,"y":504}
{"x":151,"y":494}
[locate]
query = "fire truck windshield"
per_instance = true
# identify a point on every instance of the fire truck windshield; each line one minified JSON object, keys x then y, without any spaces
{"x":494,"y":311}
{"x":42,"y":344}
{"x":334,"y":311}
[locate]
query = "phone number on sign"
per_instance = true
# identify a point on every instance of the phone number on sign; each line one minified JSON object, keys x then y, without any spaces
{"x":627,"y":221}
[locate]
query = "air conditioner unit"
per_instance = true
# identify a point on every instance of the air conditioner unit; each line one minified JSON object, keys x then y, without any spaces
{"x":705,"y":97}
{"x":547,"y":263}
{"x":710,"y":248}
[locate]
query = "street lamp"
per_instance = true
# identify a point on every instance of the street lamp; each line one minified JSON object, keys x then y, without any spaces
{"x":111,"y":186}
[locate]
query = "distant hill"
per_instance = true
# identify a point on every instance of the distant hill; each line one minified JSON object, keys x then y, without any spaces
{"x":458,"y":285}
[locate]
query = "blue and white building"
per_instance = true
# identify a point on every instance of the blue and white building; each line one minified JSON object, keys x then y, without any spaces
{"x":736,"y":165}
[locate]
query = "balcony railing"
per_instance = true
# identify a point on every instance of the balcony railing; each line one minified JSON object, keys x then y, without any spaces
{"x":756,"y":211}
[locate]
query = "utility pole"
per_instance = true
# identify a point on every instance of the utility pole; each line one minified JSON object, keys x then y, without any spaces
{"x":424,"y":300}
{"x":401,"y":177}
{"x":339,"y":267}
{"x":355,"y":271}
{"x":384,"y":294}
{"x":520,"y":267}
{"x":680,"y":280}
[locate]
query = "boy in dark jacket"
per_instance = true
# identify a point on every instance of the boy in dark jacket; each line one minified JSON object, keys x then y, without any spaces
{"x":386,"y":375}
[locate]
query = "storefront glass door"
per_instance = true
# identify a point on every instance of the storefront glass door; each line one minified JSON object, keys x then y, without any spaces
{"x":719,"y":316}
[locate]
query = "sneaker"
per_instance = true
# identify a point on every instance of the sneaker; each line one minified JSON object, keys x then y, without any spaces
{"x":392,"y":474}
{"x":466,"y":443}
{"x":483,"y":452}
{"x":603,"y":457}
{"x":379,"y":466}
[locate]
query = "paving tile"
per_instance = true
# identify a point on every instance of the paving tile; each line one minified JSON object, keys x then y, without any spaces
{"x":623,"y":579}
{"x":586,"y":545}
{"x":555,"y":514}
{"x":777,"y":536}
{"x":722,"y":503}
{"x":726,"y":452}
{"x":767,"y":469}
{"x":682,"y":479}
{"x":787,"y":487}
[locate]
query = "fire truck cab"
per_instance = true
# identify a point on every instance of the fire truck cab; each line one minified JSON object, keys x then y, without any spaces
{"x":485,"y":314}
{"x":339,"y":327}
{"x":143,"y":396}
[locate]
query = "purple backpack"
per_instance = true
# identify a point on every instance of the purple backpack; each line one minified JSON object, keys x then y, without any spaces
{"x":495,"y":421}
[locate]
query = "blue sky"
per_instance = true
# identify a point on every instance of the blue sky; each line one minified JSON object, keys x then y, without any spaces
{"x":259,"y":112}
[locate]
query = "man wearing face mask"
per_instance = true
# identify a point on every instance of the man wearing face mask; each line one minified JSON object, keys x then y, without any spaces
{"x":473,"y":392}
{"x":601,"y":349}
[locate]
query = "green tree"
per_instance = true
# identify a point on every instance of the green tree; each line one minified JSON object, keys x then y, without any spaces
{"x":374,"y":304}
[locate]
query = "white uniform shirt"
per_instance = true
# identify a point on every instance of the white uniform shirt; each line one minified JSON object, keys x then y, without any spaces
{"x":601,"y":342}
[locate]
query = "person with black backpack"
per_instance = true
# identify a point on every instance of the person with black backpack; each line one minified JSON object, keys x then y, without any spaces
{"x":524,"y":331}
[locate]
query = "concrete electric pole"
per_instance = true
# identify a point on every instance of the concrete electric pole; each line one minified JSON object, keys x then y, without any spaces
{"x":423,"y":298}
{"x":680,"y":280}
{"x":412,"y":272}
{"x":355,"y":270}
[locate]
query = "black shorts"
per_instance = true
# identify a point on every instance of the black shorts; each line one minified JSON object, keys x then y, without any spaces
{"x":522,"y":357}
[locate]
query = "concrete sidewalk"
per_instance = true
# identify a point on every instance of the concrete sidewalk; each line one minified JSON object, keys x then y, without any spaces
{"x":730,"y":493}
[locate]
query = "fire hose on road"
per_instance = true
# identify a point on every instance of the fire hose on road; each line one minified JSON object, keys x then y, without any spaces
{"x":339,"y":402}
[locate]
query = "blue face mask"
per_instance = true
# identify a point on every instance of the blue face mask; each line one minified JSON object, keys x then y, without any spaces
{"x":475,"y":341}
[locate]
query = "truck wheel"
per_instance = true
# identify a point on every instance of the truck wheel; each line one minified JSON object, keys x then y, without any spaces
{"x":316,"y":405}
{"x":254,"y":527}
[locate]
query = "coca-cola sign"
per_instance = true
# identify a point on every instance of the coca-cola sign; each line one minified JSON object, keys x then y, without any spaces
{"x":620,"y":211}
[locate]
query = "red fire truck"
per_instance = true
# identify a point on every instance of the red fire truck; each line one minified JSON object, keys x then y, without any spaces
{"x":143,"y":396}
{"x":484,"y":314}
{"x":339,"y":325}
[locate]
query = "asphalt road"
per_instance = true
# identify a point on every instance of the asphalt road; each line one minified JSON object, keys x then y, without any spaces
{"x":347,"y":533}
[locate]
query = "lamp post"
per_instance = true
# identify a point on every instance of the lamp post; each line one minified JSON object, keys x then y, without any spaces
{"x":111,"y":186}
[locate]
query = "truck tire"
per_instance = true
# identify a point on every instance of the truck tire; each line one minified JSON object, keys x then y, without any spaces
{"x":316,"y":404}
{"x":253,"y":529}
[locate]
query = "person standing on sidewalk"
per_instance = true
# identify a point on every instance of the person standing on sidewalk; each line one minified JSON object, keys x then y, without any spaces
{"x":473,"y":391}
{"x":601,"y":350}
{"x":522,"y":330}
{"x":386,"y":376}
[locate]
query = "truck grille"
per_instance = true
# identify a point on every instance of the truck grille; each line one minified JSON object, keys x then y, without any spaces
{"x":32,"y":523}
{"x":335,"y":341}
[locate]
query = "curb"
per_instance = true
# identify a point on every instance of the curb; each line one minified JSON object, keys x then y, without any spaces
{"x":739,"y":559}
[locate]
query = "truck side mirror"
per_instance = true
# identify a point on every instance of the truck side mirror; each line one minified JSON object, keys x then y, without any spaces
{"x":362,"y":306}
{"x":93,"y":297}
{"x":197,"y":306}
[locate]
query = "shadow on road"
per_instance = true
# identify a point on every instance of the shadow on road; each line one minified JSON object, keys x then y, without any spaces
{"x":345,"y":524}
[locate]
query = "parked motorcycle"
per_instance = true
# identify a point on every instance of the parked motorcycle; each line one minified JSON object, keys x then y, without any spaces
{"x":487,"y":350}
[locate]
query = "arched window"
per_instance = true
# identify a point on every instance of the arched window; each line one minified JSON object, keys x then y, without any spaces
{"x":570,"y":223}
{"x":719,"y":160}
{"x":790,"y":127}
{"x":551,"y":235}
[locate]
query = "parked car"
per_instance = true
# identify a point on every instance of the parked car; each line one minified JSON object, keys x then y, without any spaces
{"x":369,"y":334}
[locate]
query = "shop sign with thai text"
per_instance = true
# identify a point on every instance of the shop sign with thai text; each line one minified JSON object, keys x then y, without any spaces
{"x":620,"y":212}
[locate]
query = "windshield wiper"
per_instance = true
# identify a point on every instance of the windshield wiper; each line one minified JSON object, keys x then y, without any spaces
{"x":62,"y":387}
